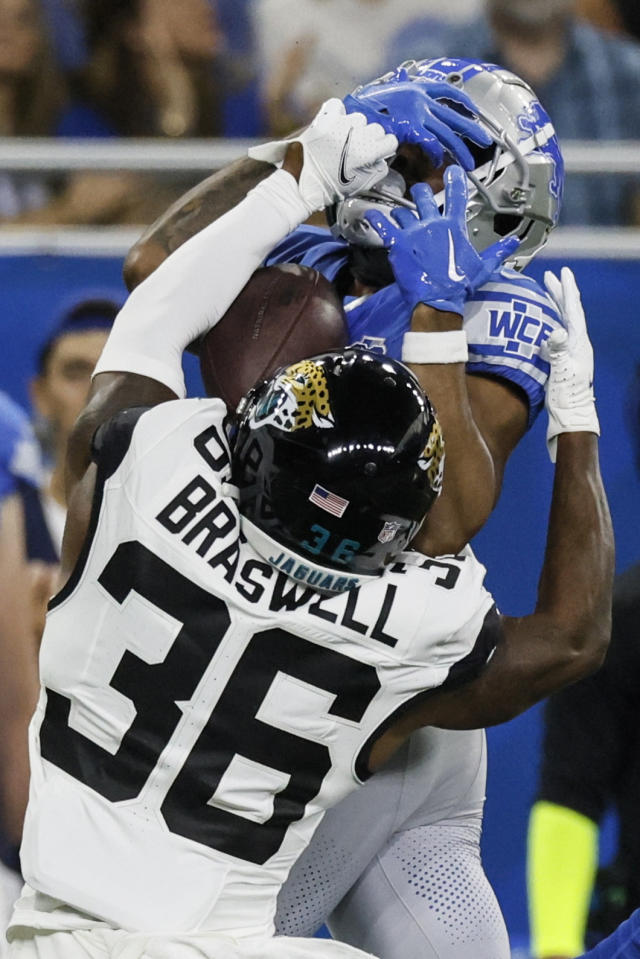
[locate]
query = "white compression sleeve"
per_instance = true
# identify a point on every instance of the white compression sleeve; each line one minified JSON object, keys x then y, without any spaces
{"x":192,"y":289}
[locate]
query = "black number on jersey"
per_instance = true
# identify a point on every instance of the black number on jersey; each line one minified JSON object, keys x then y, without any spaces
{"x":232,"y":729}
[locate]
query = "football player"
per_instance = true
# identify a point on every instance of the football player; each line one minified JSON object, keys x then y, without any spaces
{"x":202,"y":704}
{"x":397,"y":868}
{"x":410,"y":840}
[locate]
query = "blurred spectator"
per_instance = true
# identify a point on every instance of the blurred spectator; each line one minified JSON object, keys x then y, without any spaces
{"x":66,"y":30}
{"x":34,"y":100}
{"x":59,"y":392}
{"x":621,"y":15}
{"x":153,"y":66}
{"x":310,"y":50}
{"x":33,"y":96}
{"x":19,"y":464}
{"x":242,"y":109}
{"x":32,"y":515}
{"x":601,"y":13}
{"x":629,"y":13}
{"x":588,"y":80}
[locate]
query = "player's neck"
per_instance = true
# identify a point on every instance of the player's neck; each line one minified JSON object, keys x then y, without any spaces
{"x":358,"y":288}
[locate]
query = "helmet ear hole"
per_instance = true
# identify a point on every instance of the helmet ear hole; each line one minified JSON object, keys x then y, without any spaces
{"x":505,"y":223}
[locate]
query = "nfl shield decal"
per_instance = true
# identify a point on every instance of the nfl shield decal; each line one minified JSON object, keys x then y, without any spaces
{"x":388,"y":532}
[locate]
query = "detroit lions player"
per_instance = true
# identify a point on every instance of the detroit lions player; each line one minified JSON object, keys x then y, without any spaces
{"x":409,"y":841}
{"x":396,"y":869}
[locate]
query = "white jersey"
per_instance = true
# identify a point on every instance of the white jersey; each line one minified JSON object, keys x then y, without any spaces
{"x":200,"y":710}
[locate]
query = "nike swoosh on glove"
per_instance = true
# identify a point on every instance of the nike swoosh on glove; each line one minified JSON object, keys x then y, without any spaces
{"x":343,"y":155}
{"x":569,"y":395}
{"x":430,"y":253}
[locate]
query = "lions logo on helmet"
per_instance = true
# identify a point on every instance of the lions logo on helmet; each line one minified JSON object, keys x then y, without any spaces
{"x":297,"y":399}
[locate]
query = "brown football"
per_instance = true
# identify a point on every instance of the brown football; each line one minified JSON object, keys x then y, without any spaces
{"x":284,"y":314}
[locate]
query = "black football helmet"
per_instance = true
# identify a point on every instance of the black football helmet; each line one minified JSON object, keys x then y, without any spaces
{"x":337,"y":460}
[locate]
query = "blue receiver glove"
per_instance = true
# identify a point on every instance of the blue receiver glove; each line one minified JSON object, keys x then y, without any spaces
{"x":411,"y":110}
{"x":430,"y":253}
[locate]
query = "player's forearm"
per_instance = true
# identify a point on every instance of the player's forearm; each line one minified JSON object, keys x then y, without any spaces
{"x":202,"y":205}
{"x":576,"y":581}
{"x":567,"y":636}
{"x":469,"y":480}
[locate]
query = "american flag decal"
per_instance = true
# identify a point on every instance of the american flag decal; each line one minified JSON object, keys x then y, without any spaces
{"x":328,"y":501}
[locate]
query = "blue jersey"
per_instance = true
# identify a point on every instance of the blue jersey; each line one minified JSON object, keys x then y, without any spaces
{"x":506,"y":320}
{"x":19,"y":452}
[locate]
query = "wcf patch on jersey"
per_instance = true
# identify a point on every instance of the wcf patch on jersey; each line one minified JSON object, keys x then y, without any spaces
{"x":520,"y":328}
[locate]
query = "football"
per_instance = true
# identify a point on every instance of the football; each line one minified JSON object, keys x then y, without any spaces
{"x":284,"y":314}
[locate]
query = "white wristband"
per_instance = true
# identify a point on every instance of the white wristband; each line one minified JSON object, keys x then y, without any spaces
{"x":449,"y":347}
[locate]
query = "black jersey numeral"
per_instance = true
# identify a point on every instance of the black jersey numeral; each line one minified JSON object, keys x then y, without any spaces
{"x":233,"y":728}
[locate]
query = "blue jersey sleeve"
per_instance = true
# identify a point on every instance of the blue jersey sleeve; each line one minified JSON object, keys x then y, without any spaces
{"x":311,"y":246}
{"x":506,"y":322}
{"x":19,"y":451}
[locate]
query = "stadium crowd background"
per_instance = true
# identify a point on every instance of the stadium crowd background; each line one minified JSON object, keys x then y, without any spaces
{"x":251,"y":68}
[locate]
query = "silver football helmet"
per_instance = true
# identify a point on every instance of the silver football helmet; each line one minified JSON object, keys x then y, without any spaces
{"x":515,"y":189}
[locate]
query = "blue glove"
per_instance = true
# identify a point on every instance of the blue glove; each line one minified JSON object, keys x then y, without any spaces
{"x":430,"y":253}
{"x":411,"y":110}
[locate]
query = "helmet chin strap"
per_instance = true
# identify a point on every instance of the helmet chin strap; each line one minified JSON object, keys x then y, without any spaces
{"x":303,"y":570}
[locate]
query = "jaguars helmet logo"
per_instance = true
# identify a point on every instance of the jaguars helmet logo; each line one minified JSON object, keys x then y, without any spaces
{"x":432,"y":458}
{"x":296,"y":400}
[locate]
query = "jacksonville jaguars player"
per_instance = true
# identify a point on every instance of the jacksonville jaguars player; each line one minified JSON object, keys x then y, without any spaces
{"x":233,"y":650}
{"x":409,"y":841}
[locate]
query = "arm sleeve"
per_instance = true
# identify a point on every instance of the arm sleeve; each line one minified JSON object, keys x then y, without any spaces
{"x":561,"y":864}
{"x":193,"y":288}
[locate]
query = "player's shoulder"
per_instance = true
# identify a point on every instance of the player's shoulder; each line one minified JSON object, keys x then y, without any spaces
{"x":138,"y":429}
{"x":507,"y":321}
{"x":441,"y":601}
{"x":508,"y":286}
{"x":311,"y":246}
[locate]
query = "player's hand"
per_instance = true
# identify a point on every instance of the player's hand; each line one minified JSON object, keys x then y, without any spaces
{"x":430,"y":252}
{"x":343,"y":155}
{"x":412,"y":110}
{"x":569,"y":392}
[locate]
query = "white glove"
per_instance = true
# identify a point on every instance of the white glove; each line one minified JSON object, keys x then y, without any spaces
{"x":343,"y":155}
{"x":569,"y":393}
